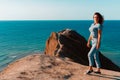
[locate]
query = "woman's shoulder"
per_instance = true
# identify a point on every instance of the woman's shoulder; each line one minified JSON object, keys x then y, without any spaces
{"x":100,"y":26}
{"x":92,"y":24}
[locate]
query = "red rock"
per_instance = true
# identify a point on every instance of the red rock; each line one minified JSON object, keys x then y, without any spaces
{"x":69,"y":43}
{"x":51,"y":44}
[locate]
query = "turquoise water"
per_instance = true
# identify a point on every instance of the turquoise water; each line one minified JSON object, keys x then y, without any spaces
{"x":21,"y":38}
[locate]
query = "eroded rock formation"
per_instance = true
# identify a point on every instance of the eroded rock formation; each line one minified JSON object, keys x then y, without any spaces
{"x":69,"y":43}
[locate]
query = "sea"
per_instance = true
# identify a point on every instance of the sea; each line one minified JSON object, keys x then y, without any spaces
{"x":20,"y":38}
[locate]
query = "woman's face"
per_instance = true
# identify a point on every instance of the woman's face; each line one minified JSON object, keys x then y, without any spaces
{"x":96,"y":18}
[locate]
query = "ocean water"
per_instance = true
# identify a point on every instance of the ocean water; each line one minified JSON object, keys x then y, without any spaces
{"x":21,"y":38}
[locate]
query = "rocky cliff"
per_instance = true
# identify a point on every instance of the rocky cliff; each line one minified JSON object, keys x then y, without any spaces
{"x":69,"y":43}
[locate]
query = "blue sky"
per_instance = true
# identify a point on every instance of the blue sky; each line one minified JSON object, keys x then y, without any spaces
{"x":58,"y":9}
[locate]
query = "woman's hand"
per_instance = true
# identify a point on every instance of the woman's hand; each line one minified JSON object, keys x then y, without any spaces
{"x":88,"y":44}
{"x":97,"y":46}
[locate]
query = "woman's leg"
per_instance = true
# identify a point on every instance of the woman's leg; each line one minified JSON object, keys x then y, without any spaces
{"x":97,"y":60}
{"x":91,"y":59}
{"x":91,"y":56}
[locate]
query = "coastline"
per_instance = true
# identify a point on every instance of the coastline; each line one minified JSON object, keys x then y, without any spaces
{"x":2,"y":67}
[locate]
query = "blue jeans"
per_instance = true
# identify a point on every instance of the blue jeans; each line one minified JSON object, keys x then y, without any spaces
{"x":93,"y":54}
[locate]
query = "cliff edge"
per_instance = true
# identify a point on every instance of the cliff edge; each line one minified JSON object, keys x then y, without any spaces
{"x":43,"y":67}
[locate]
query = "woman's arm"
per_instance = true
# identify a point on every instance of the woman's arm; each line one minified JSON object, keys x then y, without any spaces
{"x":99,"y":39}
{"x":89,"y":39}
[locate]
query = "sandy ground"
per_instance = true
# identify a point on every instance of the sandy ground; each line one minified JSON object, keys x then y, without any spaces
{"x":42,"y":67}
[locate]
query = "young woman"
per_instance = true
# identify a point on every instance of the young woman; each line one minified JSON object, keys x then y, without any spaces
{"x":95,"y":36}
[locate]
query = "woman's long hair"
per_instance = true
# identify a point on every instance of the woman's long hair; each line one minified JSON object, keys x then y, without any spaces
{"x":101,"y":19}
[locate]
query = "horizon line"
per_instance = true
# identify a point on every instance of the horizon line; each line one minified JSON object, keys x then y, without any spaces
{"x":57,"y":20}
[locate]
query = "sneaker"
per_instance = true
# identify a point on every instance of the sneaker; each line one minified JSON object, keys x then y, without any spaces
{"x":89,"y":71}
{"x":97,"y":72}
